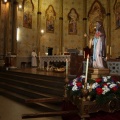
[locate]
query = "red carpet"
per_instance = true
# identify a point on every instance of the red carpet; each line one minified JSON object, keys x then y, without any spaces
{"x":94,"y":116}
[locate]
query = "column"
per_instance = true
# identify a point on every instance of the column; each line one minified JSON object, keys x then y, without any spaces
{"x":108,"y":27}
{"x":6,"y":28}
{"x":84,"y":22}
{"x":0,"y":14}
{"x":61,"y":42}
{"x":14,"y":28}
{"x":38,"y":28}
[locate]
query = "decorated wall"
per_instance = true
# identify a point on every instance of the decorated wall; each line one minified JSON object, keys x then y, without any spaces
{"x":64,"y":24}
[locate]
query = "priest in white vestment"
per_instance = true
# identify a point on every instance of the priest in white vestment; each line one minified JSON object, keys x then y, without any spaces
{"x":34,"y":58}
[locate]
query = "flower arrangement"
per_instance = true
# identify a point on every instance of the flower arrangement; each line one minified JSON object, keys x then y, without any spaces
{"x":101,"y":89}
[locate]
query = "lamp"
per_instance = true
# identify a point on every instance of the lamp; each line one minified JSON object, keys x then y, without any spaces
{"x":42,"y":31}
{"x":20,"y":6}
{"x":4,"y":1}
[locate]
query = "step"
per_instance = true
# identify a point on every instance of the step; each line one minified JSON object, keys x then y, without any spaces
{"x":46,"y":107}
{"x":52,"y":83}
{"x":30,"y":75}
{"x":37,"y":88}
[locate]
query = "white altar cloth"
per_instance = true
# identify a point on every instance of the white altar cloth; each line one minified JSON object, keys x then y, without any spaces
{"x":52,"y":58}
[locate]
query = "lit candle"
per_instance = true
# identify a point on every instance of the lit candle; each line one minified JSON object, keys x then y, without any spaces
{"x":87,"y":68}
{"x":66,"y":67}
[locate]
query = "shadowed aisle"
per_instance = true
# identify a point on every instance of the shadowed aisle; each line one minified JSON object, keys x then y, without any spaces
{"x":11,"y":110}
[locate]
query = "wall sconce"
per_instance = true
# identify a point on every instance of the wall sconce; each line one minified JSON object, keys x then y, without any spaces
{"x":42,"y":31}
{"x":20,"y":7}
{"x":4,"y":1}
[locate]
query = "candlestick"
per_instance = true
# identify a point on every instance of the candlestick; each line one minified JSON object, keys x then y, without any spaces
{"x":66,"y":67}
{"x":87,"y":68}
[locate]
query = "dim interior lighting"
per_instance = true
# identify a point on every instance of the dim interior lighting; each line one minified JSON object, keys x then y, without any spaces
{"x":5,"y":1}
{"x":42,"y":31}
{"x":18,"y":34}
{"x":20,"y":6}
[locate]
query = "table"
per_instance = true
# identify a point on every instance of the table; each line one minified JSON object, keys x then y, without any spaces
{"x":52,"y":58}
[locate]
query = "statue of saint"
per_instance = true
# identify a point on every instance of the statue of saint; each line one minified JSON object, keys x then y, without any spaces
{"x":99,"y":46}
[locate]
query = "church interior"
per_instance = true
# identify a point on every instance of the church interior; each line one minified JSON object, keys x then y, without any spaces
{"x":45,"y":44}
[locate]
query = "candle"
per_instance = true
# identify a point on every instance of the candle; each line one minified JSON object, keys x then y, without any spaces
{"x":66,"y":67}
{"x":110,"y":50}
{"x":87,"y":68}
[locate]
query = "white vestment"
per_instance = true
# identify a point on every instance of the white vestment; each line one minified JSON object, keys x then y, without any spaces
{"x":34,"y":60}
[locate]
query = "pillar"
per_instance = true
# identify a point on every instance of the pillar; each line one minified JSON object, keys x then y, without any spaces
{"x":14,"y":27}
{"x":108,"y":27}
{"x":39,"y":27}
{"x":61,"y":43}
{"x":84,"y":22}
{"x":6,"y":28}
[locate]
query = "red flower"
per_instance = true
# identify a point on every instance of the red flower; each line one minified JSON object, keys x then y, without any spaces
{"x":105,"y":84}
{"x":79,"y":84}
{"x":98,"y":80}
{"x":114,"y":89}
{"x":99,"y":91}
{"x":114,"y":78}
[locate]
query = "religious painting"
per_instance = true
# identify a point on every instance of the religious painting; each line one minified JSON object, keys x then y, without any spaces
{"x":28,"y":7}
{"x":50,"y":19}
{"x":117,"y":14}
{"x":73,"y":18}
{"x":96,"y":13}
{"x":27,"y":20}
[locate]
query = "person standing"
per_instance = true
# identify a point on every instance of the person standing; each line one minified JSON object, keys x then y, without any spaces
{"x":34,"y":58}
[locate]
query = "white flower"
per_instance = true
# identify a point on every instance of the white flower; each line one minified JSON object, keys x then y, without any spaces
{"x":108,"y":77}
{"x":82,"y":76}
{"x":105,"y":89}
{"x":112,"y":85}
{"x":95,"y":85}
{"x":104,"y":79}
{"x":74,"y":88}
{"x":108,"y":83}
{"x":118,"y":82}
{"x":74,"y":82}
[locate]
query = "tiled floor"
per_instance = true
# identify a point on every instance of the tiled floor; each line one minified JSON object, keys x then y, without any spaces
{"x":11,"y":110}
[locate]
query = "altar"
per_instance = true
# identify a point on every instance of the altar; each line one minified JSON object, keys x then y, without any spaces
{"x":52,"y":58}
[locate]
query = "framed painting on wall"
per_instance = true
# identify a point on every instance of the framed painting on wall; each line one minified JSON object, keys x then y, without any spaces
{"x":50,"y":19}
{"x":72,"y":25}
{"x":27,"y":20}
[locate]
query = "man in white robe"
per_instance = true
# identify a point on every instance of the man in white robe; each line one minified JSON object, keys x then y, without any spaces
{"x":34,"y":58}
